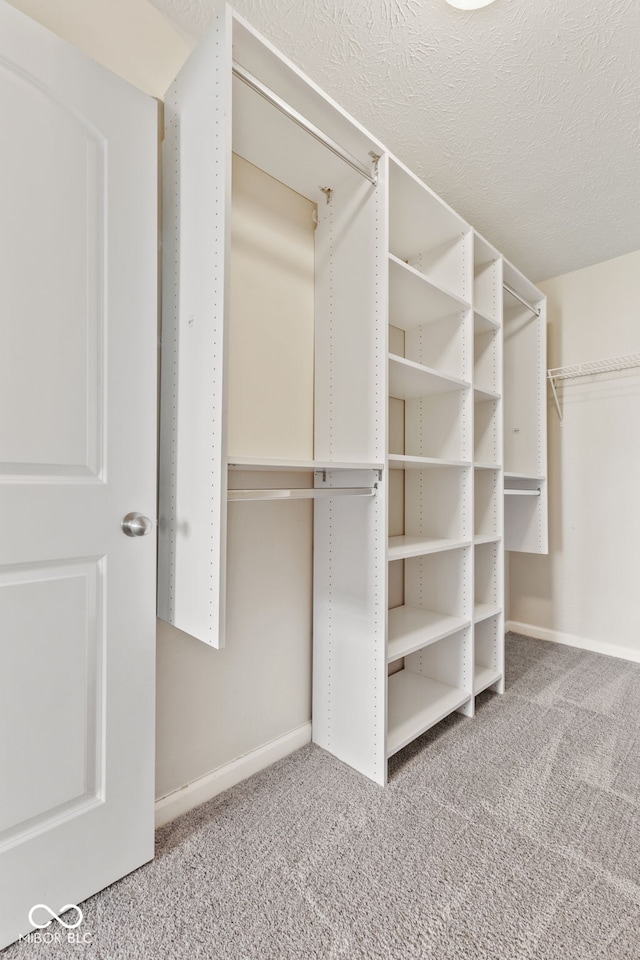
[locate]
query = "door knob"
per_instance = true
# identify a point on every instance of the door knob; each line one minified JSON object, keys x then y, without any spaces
{"x":136,"y":525}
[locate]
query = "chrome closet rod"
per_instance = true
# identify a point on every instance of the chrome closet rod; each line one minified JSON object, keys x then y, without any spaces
{"x":285,"y":108}
{"x":301,"y":493}
{"x":525,"y":303}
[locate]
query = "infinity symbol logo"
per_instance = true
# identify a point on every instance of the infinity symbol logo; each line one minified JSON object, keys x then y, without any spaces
{"x":54,"y":916}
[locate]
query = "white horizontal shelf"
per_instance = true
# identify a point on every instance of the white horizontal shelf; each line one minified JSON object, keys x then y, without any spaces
{"x":402,"y":462}
{"x":299,"y":493}
{"x":508,"y":475}
{"x":482,"y":322}
{"x":409,"y":380}
{"x":252,"y":463}
{"x":487,"y":466}
{"x":512,"y":492}
{"x":483,"y":611}
{"x":416,"y":703}
{"x":486,"y":538}
{"x":480,"y":395}
{"x":401,"y":548}
{"x":411,"y":628}
{"x":415,"y":300}
{"x":484,"y":677}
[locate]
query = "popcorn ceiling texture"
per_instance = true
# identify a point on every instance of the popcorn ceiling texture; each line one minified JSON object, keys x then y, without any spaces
{"x":523,"y":115}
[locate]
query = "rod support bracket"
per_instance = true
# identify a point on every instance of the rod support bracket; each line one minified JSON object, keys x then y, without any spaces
{"x":375,"y":160}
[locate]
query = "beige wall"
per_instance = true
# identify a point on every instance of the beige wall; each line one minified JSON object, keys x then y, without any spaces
{"x":217,"y":705}
{"x":586,"y":590}
{"x":214,"y":706}
{"x":130,"y":37}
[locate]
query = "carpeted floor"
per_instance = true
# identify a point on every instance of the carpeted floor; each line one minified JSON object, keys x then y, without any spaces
{"x":514,"y":836}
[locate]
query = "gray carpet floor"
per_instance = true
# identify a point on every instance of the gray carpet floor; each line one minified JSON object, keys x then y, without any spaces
{"x":514,"y":836}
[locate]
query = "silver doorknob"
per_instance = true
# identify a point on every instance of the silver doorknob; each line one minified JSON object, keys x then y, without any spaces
{"x":136,"y":525}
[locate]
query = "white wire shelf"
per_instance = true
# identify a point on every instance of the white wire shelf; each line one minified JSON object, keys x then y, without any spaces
{"x":611,"y":365}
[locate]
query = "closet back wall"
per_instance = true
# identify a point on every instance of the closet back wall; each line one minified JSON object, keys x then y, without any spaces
{"x":213,"y":706}
{"x":217,"y":705}
{"x":585,"y":592}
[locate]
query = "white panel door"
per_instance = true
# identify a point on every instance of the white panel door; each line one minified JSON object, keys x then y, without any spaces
{"x":78,"y":196}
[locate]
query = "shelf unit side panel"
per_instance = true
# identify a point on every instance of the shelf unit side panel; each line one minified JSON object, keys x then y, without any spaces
{"x":524,"y":393}
{"x":525,"y":427}
{"x":351,"y":331}
{"x":193,"y":474}
{"x":349,"y":641}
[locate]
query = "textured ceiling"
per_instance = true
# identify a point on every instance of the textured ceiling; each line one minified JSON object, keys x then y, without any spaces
{"x":524,"y":115}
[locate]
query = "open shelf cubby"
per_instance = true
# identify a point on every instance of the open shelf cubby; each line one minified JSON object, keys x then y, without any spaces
{"x":436,"y":509}
{"x":435,"y":681}
{"x":487,"y":497}
{"x":488,"y":653}
{"x":410,"y":381}
{"x":431,"y":597}
{"x":487,"y":576}
{"x":486,"y":434}
{"x":486,"y":371}
{"x":440,"y":346}
{"x":428,"y":235}
{"x":437,"y":426}
{"x":487,"y":295}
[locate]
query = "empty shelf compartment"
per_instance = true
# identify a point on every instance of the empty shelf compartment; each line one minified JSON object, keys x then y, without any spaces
{"x":417,"y":703}
{"x":484,"y":677}
{"x":409,"y":380}
{"x":411,"y":628}
{"x":488,"y":653}
{"x":415,"y":300}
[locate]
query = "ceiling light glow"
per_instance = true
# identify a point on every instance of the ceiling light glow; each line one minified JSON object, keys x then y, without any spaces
{"x":469,"y":4}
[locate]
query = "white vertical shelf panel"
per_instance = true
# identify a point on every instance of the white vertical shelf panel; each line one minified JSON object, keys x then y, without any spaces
{"x":525,"y":415}
{"x":488,"y":553}
{"x":350,"y":539}
{"x":349,"y":650}
{"x":350,"y":300}
{"x":197,"y":196}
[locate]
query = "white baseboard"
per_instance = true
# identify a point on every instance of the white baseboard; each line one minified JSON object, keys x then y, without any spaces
{"x":572,"y":640}
{"x":204,"y":788}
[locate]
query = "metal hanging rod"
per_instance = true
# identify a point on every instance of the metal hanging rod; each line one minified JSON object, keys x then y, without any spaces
{"x":302,"y":493}
{"x":525,"y":303}
{"x":512,"y":492}
{"x":589,"y":369}
{"x":285,"y":108}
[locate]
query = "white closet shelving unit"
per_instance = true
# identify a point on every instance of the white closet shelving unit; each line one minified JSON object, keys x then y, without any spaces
{"x":525,"y":414}
{"x":488,"y":511}
{"x":430,"y":641}
{"x":406,"y":472}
